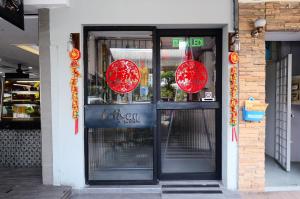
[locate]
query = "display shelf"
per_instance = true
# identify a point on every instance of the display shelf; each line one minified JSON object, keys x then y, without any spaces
{"x":24,"y":92}
{"x":21,"y":100}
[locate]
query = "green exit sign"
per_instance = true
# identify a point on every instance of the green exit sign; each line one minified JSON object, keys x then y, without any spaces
{"x":192,"y":42}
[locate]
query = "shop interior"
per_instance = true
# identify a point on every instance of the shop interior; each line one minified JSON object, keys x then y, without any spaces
{"x":283,"y":113}
{"x":20,"y":143}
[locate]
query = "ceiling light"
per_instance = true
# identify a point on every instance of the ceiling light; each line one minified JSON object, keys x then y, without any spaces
{"x":29,"y":67}
{"x":32,"y":48}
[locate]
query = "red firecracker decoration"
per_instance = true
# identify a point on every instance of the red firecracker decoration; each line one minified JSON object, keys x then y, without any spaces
{"x":233,"y":58}
{"x":75,"y":56}
{"x":123,"y":76}
{"x":191,"y":76}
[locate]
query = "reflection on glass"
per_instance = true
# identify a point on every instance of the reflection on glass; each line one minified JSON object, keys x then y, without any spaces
{"x":176,"y":50}
{"x":120,"y":154}
{"x":188,"y":141}
{"x":105,"y":47}
{"x":21,"y":100}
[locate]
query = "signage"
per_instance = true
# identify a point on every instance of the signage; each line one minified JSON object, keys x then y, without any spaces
{"x":208,"y":97}
{"x":123,"y":76}
{"x":120,"y":116}
{"x":13,"y":12}
{"x":191,"y":76}
{"x":191,"y":42}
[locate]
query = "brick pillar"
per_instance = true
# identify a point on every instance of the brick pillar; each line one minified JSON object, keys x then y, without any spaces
{"x":251,"y":83}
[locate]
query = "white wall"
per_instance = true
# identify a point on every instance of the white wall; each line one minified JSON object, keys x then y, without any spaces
{"x":68,"y":149}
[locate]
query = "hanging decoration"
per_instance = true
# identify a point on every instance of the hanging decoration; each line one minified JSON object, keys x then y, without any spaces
{"x":123,"y":76}
{"x":233,"y":58}
{"x":75,"y":56}
{"x":191,"y":76}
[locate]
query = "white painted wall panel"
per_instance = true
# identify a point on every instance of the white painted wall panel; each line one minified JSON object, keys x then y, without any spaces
{"x":68,"y":149}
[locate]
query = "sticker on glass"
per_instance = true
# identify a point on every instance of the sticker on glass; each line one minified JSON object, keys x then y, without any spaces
{"x":123,"y":76}
{"x":191,"y":76}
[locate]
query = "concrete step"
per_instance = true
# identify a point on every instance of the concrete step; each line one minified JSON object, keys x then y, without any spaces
{"x":119,"y":189}
{"x":192,"y":190}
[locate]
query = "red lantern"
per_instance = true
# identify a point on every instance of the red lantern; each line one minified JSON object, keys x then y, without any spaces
{"x":191,"y":76}
{"x":123,"y":76}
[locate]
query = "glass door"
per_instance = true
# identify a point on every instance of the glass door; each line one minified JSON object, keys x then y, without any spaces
{"x":119,"y":107}
{"x":152,"y":104}
{"x":189,"y":104}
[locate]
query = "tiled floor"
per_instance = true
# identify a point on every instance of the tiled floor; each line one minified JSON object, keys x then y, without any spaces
{"x":26,"y":183}
{"x":271,"y":195}
{"x":277,"y":177}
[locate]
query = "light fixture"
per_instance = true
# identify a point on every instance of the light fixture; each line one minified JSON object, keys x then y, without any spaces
{"x":234,"y":42}
{"x":32,"y":48}
{"x":259,"y":25}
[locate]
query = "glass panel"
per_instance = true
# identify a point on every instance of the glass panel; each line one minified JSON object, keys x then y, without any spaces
{"x":120,"y":154}
{"x":188,"y":141}
{"x":105,"y":47}
{"x":176,"y":50}
{"x":21,"y":100}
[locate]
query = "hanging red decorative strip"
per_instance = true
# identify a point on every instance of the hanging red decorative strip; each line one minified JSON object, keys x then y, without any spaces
{"x":233,"y":58}
{"x":191,"y":76}
{"x":75,"y":56}
{"x":123,"y":76}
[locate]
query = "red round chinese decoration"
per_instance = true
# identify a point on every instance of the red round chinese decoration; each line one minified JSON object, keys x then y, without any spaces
{"x":233,"y":58}
{"x":74,"y":54}
{"x":123,"y":76}
{"x":191,"y":76}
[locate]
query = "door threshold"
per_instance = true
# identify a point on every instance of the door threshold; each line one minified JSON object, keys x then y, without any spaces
{"x":282,"y":188}
{"x":191,"y":182}
{"x":98,"y":189}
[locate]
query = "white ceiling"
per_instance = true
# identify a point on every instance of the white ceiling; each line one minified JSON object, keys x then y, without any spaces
{"x":10,"y":55}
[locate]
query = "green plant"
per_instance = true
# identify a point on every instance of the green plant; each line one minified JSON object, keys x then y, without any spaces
{"x":167,"y":90}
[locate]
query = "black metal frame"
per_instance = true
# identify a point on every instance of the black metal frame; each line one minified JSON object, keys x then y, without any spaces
{"x":159,"y":105}
{"x":217,"y":105}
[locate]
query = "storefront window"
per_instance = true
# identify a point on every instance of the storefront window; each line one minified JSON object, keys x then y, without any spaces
{"x":178,"y":53}
{"x":120,"y":67}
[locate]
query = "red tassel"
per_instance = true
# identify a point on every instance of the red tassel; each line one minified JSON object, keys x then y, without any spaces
{"x":76,"y":126}
{"x":234,"y":135}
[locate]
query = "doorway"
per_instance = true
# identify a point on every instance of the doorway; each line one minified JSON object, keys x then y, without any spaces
{"x":150,"y":127}
{"x":282,"y":162}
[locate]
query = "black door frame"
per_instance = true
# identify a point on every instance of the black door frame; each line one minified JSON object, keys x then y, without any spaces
{"x":156,"y":34}
{"x":217,"y":105}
